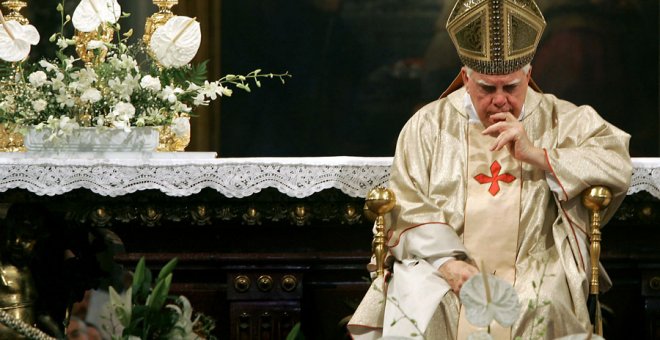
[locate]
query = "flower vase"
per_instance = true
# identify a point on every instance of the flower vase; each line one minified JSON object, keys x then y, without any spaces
{"x":10,"y":141}
{"x":93,"y":139}
{"x":175,"y":137}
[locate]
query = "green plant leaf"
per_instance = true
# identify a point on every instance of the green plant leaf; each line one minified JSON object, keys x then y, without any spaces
{"x":158,"y":295}
{"x":138,"y":276}
{"x":295,"y":333}
{"x":167,"y":269}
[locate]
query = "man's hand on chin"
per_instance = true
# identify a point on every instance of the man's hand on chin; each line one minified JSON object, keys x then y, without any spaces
{"x":456,"y":272}
{"x":509,"y":132}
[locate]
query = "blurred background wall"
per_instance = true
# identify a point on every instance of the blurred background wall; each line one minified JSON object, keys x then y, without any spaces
{"x":362,"y":67}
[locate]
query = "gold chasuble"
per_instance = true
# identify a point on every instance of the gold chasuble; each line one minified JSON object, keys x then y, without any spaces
{"x":456,"y":199}
{"x":492,"y":214}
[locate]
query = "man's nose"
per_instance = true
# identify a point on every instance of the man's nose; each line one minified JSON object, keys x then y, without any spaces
{"x":499,"y":100}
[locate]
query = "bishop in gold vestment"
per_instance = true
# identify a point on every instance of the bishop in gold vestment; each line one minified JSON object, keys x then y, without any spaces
{"x":430,"y":176}
{"x":491,"y":176}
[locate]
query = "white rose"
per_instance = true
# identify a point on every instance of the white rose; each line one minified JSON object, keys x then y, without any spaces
{"x":123,"y":110}
{"x":39,"y":105}
{"x":37,"y":78}
{"x":150,"y":83}
{"x":91,"y":95}
{"x":181,"y":126}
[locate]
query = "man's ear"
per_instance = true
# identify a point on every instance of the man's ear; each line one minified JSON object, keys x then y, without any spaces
{"x":464,"y":75}
{"x":529,"y":73}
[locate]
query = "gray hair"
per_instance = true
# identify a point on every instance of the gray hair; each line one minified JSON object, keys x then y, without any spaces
{"x":525,"y":69}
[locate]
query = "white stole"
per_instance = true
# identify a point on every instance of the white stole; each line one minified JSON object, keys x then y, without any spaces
{"x":492,"y":214}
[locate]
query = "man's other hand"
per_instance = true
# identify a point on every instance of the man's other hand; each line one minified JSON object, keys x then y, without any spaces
{"x":456,"y":272}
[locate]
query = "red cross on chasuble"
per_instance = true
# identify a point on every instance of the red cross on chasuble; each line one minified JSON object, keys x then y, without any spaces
{"x":492,"y":215}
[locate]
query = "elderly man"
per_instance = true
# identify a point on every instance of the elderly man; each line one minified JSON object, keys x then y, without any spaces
{"x":489,"y":178}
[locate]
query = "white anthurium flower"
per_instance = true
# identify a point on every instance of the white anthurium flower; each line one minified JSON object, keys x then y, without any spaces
{"x":90,"y":14}
{"x":176,"y":43}
{"x":581,"y":336}
{"x":38,"y":78}
{"x":487,"y":297}
{"x":16,"y":40}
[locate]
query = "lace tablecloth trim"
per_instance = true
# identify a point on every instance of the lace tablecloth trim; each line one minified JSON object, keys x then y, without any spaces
{"x":231,"y":177}
{"x":646,"y":176}
{"x":295,"y":177}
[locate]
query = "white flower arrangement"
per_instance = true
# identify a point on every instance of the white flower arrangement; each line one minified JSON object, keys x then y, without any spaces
{"x":119,"y":84}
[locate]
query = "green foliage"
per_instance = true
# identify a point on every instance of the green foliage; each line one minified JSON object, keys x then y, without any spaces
{"x":295,"y":333}
{"x":150,"y":312}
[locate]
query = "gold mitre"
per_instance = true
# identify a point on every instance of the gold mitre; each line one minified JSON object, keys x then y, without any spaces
{"x":495,"y":36}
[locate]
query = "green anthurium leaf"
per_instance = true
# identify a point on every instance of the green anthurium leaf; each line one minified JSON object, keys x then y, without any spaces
{"x":167,"y":269}
{"x":146,"y":284}
{"x":158,"y":295}
{"x":138,"y":276}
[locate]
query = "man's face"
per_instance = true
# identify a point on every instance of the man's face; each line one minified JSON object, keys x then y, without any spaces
{"x":492,"y":94}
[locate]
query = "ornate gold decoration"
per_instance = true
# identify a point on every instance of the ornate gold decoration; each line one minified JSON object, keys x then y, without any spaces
{"x":96,"y":56}
{"x":351,"y":214}
{"x":150,"y":216}
{"x":159,"y":18}
{"x":15,"y":11}
{"x":252,"y":216}
{"x":100,"y":217}
{"x":654,"y":283}
{"x":265,"y":283}
{"x":380,"y":201}
{"x":596,"y":199}
{"x":300,"y":215}
{"x":495,"y":36}
{"x":289,"y":283}
{"x":242,"y":283}
{"x":200,"y":215}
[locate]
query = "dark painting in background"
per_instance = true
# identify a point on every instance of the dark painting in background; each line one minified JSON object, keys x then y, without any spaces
{"x":362,"y":67}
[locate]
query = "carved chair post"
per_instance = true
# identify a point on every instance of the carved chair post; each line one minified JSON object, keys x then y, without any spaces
{"x":596,"y":198}
{"x":380,"y":201}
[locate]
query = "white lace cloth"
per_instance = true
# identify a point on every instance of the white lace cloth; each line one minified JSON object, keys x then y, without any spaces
{"x":232,"y":177}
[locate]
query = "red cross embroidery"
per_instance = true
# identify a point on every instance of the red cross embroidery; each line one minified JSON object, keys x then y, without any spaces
{"x":496,"y":177}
